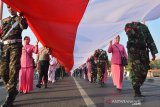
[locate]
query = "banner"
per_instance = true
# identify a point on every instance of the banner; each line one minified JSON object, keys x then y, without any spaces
{"x":74,"y":29}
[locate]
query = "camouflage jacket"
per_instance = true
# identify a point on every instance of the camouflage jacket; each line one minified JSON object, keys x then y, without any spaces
{"x":92,"y":61}
{"x":17,"y":31}
{"x":101,"y":55}
{"x":140,"y":41}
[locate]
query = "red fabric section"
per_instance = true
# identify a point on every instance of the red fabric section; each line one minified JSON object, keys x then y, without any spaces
{"x":1,"y":32}
{"x":54,"y":22}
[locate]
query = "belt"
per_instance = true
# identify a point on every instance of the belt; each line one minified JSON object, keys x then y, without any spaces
{"x":6,"y":42}
{"x":101,"y":61}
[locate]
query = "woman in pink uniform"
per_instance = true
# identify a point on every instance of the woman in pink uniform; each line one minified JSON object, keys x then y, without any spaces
{"x":89,"y":69}
{"x":116,"y":66}
{"x":27,"y":71}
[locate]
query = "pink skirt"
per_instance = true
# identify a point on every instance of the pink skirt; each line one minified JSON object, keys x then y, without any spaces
{"x":89,"y":71}
{"x":117,"y":75}
{"x":26,"y":79}
{"x":105,"y":75}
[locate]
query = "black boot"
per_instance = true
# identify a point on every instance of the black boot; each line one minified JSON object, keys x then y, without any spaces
{"x":101,"y":84}
{"x":91,"y":79}
{"x":14,"y":94}
{"x":119,"y":90}
{"x":137,"y":92}
{"x":10,"y":99}
{"x":38,"y":85}
{"x":7,"y":105}
{"x":8,"y":102}
{"x":45,"y":85}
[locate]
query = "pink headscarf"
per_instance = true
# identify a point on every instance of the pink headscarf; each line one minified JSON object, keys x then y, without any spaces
{"x":115,"y":41}
{"x":27,"y":37}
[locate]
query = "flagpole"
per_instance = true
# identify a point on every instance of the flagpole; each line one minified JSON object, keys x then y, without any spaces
{"x":1,"y":10}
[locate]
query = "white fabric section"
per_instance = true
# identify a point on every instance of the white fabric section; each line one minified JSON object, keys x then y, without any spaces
{"x":104,"y":19}
{"x":53,"y":60}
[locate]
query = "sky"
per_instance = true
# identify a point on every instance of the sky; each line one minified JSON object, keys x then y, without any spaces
{"x":154,"y":27}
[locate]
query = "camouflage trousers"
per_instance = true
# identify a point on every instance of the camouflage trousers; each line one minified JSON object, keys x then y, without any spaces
{"x":138,"y":73}
{"x":10,"y":65}
{"x":93,"y":75}
{"x":100,"y":70}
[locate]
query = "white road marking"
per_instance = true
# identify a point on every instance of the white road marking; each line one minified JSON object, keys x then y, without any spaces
{"x":86,"y":98}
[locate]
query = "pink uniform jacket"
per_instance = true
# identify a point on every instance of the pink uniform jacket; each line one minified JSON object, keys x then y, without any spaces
{"x":26,"y":60}
{"x":116,"y":56}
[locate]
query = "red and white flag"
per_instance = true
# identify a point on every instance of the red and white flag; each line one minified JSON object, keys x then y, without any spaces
{"x":73,"y":29}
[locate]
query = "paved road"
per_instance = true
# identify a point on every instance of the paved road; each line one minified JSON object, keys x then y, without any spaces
{"x":76,"y":92}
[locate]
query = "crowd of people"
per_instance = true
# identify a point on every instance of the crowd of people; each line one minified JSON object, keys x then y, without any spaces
{"x":97,"y":66}
{"x":16,"y":60}
{"x":139,"y":44}
{"x":17,"y":63}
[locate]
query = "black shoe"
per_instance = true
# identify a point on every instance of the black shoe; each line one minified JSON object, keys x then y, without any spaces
{"x":10,"y":99}
{"x":25,"y":92}
{"x":101,"y":84}
{"x":119,"y":90}
{"x":15,"y":94}
{"x":138,"y":95}
{"x":7,"y":105}
{"x":45,"y":86}
{"x":143,"y":96}
{"x":38,"y":85}
{"x":21,"y":92}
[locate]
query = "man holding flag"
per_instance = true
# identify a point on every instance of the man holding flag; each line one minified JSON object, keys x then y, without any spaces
{"x":12,"y":28}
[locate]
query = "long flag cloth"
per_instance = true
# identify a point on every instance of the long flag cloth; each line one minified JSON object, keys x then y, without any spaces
{"x":73,"y":29}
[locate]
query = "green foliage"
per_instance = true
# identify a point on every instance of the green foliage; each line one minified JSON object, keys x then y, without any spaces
{"x":109,"y":64}
{"x":155,"y":64}
{"x":128,"y":67}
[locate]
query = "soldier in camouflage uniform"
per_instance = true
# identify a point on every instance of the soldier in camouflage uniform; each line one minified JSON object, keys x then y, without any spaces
{"x":93,"y":69}
{"x":11,"y":53}
{"x":139,"y":43}
{"x":101,"y":60}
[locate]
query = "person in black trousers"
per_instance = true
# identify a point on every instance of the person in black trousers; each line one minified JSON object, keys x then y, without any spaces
{"x":43,"y":63}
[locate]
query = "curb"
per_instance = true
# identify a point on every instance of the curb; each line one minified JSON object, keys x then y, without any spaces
{"x":152,"y":80}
